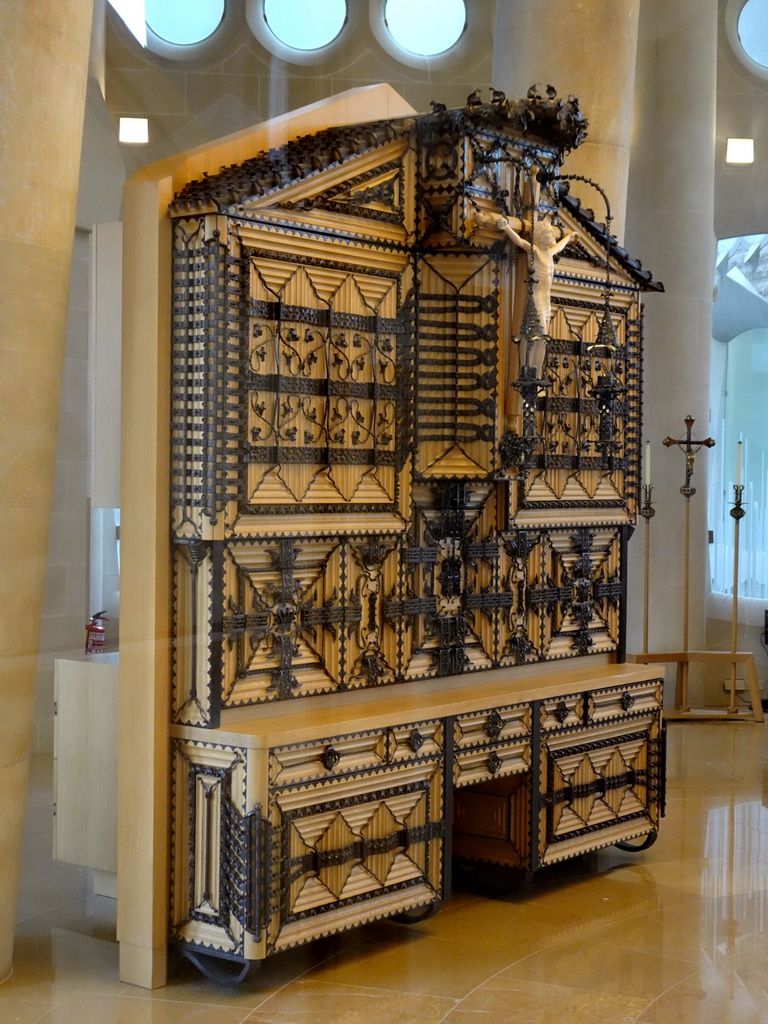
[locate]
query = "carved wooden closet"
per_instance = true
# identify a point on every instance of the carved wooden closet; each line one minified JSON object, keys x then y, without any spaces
{"x":399,"y":545}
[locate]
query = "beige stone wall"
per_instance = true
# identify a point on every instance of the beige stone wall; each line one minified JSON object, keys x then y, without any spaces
{"x":40,"y":132}
{"x":62,"y":620}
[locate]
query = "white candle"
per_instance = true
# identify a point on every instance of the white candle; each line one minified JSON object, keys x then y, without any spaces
{"x":738,"y":464}
{"x":647,"y":463}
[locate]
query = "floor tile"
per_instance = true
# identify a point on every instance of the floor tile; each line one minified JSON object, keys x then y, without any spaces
{"x":507,"y":1000}
{"x":675,"y":934}
{"x":309,"y":1002}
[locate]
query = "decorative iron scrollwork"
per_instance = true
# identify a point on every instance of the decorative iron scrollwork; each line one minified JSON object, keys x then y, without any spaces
{"x":517,"y":451}
{"x":607,"y":391}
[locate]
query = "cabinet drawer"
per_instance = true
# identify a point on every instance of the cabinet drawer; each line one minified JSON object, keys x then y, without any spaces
{"x":494,"y":725}
{"x":319,"y":759}
{"x":603,"y":705}
{"x":424,"y":739}
{"x":492,"y":761}
{"x":339,"y":755}
{"x":562,"y":712}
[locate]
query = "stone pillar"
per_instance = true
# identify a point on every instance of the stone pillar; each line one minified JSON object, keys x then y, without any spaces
{"x":585,"y":49}
{"x":44,"y":61}
{"x":670,"y":218}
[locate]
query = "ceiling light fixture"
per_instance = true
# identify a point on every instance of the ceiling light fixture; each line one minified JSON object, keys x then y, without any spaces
{"x":133,"y":130}
{"x":740,"y":151}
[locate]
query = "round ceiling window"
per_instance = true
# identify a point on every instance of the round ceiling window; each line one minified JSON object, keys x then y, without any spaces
{"x":425,"y":27}
{"x":305,"y":24}
{"x":184,"y":22}
{"x":752,"y":28}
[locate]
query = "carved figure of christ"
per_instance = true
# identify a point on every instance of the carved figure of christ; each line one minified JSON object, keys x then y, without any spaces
{"x":544,"y":246}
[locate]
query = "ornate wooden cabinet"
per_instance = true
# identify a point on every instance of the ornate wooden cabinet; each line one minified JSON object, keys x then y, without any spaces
{"x":406,"y":443}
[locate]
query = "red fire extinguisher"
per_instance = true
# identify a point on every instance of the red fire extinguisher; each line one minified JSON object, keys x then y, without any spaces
{"x":95,"y":633}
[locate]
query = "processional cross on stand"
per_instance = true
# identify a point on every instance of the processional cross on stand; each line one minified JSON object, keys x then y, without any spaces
{"x":691,"y":446}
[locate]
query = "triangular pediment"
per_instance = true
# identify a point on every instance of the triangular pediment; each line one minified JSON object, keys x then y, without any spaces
{"x":592,"y":245}
{"x":454,"y":462}
{"x":378,"y":193}
{"x":371,"y":183}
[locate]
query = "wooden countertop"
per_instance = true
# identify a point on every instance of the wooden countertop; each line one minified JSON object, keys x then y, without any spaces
{"x":360,"y":710}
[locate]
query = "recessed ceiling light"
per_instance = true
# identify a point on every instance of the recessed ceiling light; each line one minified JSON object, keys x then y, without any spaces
{"x":133,"y":129}
{"x":740,"y":151}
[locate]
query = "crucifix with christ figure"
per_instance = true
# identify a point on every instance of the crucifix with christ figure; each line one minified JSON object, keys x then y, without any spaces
{"x":691,"y":446}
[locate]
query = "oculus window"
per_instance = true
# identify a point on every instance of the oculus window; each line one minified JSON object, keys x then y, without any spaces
{"x":425,"y":27}
{"x":740,"y":413}
{"x":184,"y":22}
{"x":752,"y":29}
{"x":170,"y":23}
{"x":746,"y":25}
{"x":305,"y":24}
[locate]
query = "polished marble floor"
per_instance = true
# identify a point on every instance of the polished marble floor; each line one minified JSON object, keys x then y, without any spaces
{"x":673,"y":935}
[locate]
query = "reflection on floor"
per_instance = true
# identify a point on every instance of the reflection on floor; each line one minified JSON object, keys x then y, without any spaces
{"x":674,"y":934}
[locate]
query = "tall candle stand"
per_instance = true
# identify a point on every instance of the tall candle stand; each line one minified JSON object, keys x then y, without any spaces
{"x":737,"y":514}
{"x":647,"y":511}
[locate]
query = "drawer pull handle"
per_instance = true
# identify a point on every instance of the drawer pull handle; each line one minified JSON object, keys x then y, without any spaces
{"x":561,"y":712}
{"x":494,"y":763}
{"x":330,"y":758}
{"x":494,"y":724}
{"x":416,"y":741}
{"x":627,"y":701}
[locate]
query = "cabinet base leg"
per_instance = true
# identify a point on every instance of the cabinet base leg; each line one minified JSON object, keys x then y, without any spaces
{"x":416,"y":914}
{"x":636,"y":845}
{"x":219,"y":968}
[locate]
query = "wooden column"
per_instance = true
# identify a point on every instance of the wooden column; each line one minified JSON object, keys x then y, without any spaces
{"x":44,"y":61}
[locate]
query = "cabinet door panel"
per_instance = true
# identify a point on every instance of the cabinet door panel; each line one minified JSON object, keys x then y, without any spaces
{"x":599,"y":786}
{"x":213,"y":833}
{"x":353,"y":850}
